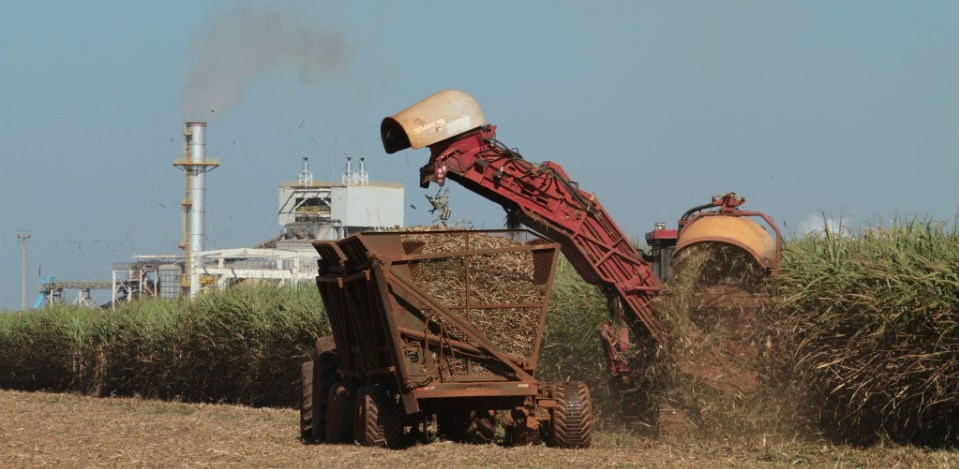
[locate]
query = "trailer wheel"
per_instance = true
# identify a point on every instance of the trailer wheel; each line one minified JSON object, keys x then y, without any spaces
{"x":572,"y":419}
{"x":308,"y":407}
{"x":377,"y":419}
{"x":339,"y":414}
{"x":324,"y":375}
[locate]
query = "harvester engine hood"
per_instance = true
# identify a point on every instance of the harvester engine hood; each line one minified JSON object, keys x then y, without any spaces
{"x":439,"y":117}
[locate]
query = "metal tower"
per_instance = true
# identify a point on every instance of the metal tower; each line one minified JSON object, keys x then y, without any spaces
{"x":23,"y":236}
{"x":195,"y":165}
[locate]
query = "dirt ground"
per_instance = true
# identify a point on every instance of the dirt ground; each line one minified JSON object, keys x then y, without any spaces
{"x":62,"y":430}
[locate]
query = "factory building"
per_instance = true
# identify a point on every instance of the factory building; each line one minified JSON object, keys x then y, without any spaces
{"x":308,"y":210}
{"x":330,"y":211}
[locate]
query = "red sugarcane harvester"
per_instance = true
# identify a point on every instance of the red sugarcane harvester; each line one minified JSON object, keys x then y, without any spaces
{"x":463,"y":147}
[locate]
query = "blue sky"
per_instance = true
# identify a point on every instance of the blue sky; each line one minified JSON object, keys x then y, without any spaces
{"x":847,"y":109}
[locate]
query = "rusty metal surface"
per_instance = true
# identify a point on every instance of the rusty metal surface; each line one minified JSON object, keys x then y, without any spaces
{"x":446,"y":314}
{"x":477,"y":390}
{"x":443,"y":115}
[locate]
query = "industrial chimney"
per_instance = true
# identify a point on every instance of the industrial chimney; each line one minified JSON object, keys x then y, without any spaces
{"x":195,"y":165}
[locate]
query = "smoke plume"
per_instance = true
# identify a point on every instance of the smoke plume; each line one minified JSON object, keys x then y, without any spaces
{"x":240,"y":43}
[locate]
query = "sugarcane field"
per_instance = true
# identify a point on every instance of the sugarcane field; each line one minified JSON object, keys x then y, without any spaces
{"x":134,"y":384}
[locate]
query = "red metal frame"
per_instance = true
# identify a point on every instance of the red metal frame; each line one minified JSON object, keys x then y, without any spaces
{"x":376,"y":308}
{"x":544,"y":198}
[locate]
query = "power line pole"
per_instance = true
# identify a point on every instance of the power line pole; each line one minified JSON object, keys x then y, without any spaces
{"x":23,"y":236}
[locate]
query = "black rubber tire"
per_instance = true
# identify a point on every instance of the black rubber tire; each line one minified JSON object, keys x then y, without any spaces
{"x":324,"y":375}
{"x":308,"y":408}
{"x":572,"y":420}
{"x":339,"y":414}
{"x":377,"y":419}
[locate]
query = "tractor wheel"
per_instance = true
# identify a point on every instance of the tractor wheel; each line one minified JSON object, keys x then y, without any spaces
{"x":377,"y":419}
{"x":339,"y":414}
{"x":572,"y":419}
{"x":308,"y":407}
{"x":324,"y":375}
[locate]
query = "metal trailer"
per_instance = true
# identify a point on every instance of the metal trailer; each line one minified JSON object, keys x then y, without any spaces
{"x":438,"y":326}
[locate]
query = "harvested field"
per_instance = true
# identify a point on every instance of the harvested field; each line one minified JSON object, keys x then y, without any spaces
{"x":64,"y":430}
